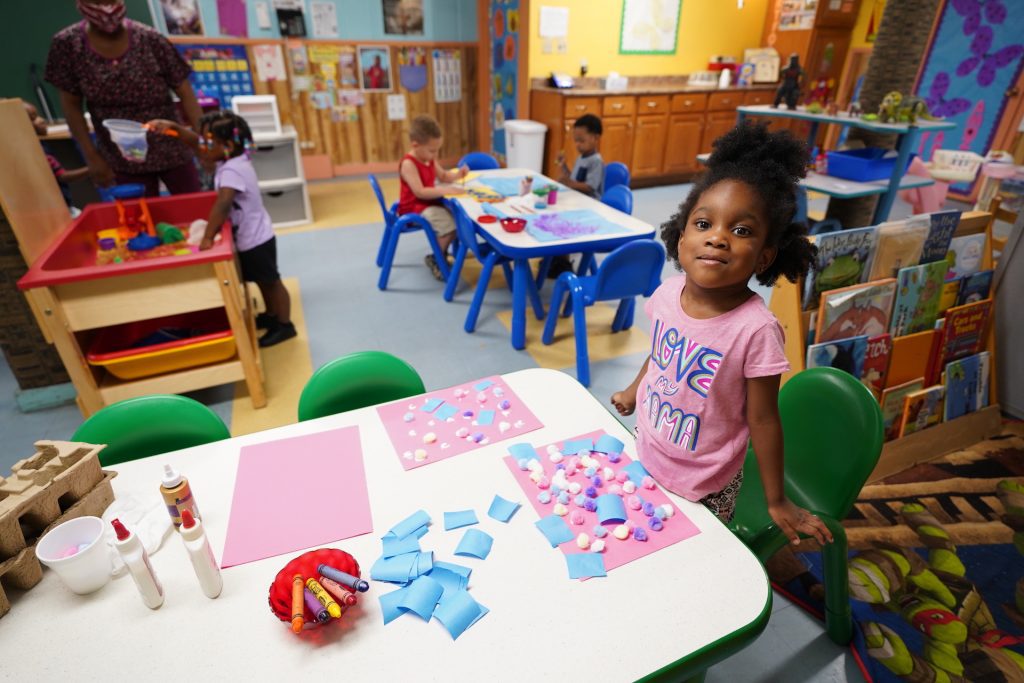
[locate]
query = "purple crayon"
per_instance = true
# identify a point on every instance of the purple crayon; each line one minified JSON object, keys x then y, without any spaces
{"x":313,"y":605}
{"x":353,"y":582}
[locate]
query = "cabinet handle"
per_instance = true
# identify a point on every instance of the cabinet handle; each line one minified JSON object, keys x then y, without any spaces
{"x":617,"y":105}
{"x":687,"y":102}
{"x":652,"y":104}
{"x":580,"y":107}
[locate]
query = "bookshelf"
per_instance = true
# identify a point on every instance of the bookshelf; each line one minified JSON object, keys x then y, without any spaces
{"x":908,"y":360}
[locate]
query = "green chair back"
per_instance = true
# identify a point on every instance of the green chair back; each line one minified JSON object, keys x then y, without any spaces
{"x":355,"y":381}
{"x":150,"y":425}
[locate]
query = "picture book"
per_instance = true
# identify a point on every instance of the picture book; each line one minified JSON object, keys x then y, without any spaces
{"x":856,"y":310}
{"x":965,"y":254}
{"x":918,"y":291}
{"x":842,"y":354}
{"x":844,"y":259}
{"x":965,"y":330}
{"x":922,"y":409}
{"x":940,"y":234}
{"x":876,"y":363}
{"x":892,"y":406}
{"x":967,"y":383}
{"x":974,"y":288}
{"x":899,"y":246}
{"x":950,"y":292}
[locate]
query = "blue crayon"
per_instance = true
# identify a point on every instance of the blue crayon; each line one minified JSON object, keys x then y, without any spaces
{"x":353,"y":582}
{"x":320,"y":612}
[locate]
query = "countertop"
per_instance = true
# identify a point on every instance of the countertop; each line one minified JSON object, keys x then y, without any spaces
{"x":651,"y":90}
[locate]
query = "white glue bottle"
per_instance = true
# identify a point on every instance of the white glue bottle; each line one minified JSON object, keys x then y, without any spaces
{"x":137,"y":560}
{"x":201,"y":554}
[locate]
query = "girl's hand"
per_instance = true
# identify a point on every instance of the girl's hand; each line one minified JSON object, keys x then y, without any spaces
{"x":624,"y":402}
{"x":794,"y":520}
{"x":161,"y":126}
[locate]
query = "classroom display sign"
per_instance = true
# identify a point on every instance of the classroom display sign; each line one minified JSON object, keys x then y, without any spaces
{"x":447,"y":75}
{"x":182,"y":17}
{"x":375,"y":69}
{"x":219,"y":72}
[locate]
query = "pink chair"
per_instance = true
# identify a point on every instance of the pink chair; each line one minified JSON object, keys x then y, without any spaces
{"x":926,"y":199}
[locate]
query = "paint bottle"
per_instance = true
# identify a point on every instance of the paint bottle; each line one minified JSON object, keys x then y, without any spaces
{"x":201,"y":554}
{"x":177,"y":495}
{"x":137,"y":560}
{"x":526,"y":185}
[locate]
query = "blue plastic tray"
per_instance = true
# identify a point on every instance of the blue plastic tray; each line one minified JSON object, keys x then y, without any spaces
{"x":863,"y":165}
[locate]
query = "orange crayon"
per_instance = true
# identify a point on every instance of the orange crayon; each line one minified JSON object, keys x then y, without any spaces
{"x":344,"y":596}
{"x":298,"y":609}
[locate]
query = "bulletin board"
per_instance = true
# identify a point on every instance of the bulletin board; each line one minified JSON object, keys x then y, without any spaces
{"x":219,"y":72}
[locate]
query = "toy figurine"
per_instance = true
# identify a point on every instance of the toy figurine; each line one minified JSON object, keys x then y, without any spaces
{"x":832,"y":107}
{"x":789,"y":90}
{"x":854,"y":109}
{"x":898,"y":109}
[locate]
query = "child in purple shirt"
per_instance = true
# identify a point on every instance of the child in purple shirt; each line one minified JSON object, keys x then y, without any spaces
{"x":223,"y":140}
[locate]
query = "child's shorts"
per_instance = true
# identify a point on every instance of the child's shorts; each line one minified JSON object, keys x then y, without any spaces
{"x":723,"y":503}
{"x":259,"y":264}
{"x":440,"y":219}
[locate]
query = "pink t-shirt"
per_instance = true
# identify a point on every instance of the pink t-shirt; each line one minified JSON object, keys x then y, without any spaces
{"x":691,"y":404}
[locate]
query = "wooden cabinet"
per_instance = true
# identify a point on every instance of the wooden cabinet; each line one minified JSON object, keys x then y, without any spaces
{"x":724,"y":101}
{"x":683,"y":143}
{"x":618,"y":106}
{"x":617,"y":140}
{"x":687,"y":103}
{"x":717,"y":125}
{"x":649,"y":146}
{"x":576,"y":107}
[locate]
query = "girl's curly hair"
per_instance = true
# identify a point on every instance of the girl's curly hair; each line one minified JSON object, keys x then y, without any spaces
{"x":772,"y":164}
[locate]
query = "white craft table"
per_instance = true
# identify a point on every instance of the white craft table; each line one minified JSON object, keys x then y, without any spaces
{"x":686,"y":606}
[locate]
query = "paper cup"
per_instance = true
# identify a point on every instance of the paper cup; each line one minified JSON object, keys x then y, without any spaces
{"x":130,"y":138}
{"x":88,"y":568}
{"x":553,"y":196}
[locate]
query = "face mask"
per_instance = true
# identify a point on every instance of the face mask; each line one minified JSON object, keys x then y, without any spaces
{"x":104,"y":18}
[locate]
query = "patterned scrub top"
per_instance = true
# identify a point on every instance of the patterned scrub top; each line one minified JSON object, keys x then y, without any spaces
{"x":135,"y":86}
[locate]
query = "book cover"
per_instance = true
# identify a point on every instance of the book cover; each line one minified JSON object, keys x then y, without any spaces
{"x":844,"y":259}
{"x":940,"y":234}
{"x":918,"y":291}
{"x":922,"y":409}
{"x":899,"y":245}
{"x":967,"y":381}
{"x":856,"y":310}
{"x":876,"y":363}
{"x":935,"y":359}
{"x":950,"y":292}
{"x":842,"y":354}
{"x":965,"y":330}
{"x":892,"y":406}
{"x":975,"y":288}
{"x":964,"y":255}
{"x":910,"y":357}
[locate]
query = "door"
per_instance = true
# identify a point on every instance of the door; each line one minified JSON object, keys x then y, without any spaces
{"x":649,"y":146}
{"x":617,"y":140}
{"x":683,"y":143}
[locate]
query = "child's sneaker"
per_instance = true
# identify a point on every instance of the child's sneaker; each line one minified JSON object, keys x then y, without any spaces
{"x":277,"y":334}
{"x":265,"y":321}
{"x":435,"y":269}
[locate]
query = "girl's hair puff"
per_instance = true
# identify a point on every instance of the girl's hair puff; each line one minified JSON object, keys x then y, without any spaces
{"x":772,"y":164}
{"x":226,"y":126}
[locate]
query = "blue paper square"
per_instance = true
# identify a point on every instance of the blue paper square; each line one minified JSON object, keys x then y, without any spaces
{"x":389,"y":604}
{"x":636,"y":472}
{"x":576,"y":445}
{"x":431,"y":404}
{"x":400,"y":546}
{"x":410,"y":524}
{"x":460,"y":518}
{"x":520,"y":451}
{"x":502,"y":510}
{"x":485,"y":417}
{"x":458,"y":611}
{"x":585,"y":565}
{"x":475,"y":543}
{"x":608,"y":444}
{"x":483,"y":384}
{"x":445,"y":411}
{"x":555,"y":530}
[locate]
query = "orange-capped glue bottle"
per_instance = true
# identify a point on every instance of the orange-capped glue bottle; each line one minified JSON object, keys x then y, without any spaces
{"x":201,"y":554}
{"x":177,"y":495}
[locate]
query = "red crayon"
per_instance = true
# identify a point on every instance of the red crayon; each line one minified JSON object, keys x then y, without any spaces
{"x":343,"y":595}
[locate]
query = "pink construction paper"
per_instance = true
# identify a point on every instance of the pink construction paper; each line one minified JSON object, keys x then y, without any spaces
{"x":297,"y":493}
{"x":407,"y":437}
{"x":677,"y":528}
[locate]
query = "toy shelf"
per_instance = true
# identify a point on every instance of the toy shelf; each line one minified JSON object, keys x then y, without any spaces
{"x":278,"y":165}
{"x":908,"y":360}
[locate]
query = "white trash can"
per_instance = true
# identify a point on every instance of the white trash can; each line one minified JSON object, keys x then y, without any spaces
{"x":524,"y":144}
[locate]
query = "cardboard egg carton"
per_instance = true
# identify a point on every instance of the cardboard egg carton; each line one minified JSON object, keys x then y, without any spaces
{"x":61,"y":481}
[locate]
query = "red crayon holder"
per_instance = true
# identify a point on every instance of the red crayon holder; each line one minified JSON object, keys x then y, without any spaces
{"x":280,"y":594}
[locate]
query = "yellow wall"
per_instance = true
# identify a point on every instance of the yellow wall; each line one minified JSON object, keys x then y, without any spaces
{"x":706,"y":27}
{"x":860,"y":30}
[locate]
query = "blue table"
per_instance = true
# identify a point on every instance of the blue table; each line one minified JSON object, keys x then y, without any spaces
{"x":521,"y":246}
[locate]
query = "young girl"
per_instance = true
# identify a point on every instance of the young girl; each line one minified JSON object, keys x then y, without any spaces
{"x":712,"y":378}
{"x":222,"y":141}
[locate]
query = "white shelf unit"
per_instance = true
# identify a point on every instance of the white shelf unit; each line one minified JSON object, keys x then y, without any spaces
{"x":278,"y":165}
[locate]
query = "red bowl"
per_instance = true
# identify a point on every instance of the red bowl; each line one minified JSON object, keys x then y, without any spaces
{"x":513,"y":224}
{"x":280,"y":596}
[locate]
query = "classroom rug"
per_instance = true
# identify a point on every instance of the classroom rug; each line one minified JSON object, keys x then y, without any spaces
{"x":937,"y":568}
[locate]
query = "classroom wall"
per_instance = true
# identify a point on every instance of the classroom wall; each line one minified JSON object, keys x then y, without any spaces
{"x":860,"y":29}
{"x":706,"y":27}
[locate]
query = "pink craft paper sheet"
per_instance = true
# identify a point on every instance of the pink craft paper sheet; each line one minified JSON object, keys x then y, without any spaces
{"x":677,"y":528}
{"x":297,"y":493}
{"x":455,"y":435}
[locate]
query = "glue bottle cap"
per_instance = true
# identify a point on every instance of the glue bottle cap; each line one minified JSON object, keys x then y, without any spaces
{"x":187,"y":520}
{"x":120,"y":530}
{"x":171,"y":478}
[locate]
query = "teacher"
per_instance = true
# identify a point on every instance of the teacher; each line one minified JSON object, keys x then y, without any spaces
{"x":122,"y":69}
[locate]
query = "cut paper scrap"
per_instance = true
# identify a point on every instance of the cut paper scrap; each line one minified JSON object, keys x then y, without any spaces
{"x":410,"y":524}
{"x":523,"y":451}
{"x":585,"y":565}
{"x":475,"y":543}
{"x":574,"y":446}
{"x":510,"y":187}
{"x":452,"y":577}
{"x":564,"y":225}
{"x":460,"y":518}
{"x":502,"y":510}
{"x":421,"y":597}
{"x":328,"y":466}
{"x":610,"y":509}
{"x":608,"y":444}
{"x":458,"y":611}
{"x":555,"y":530}
{"x":400,"y":546}
{"x":421,"y":436}
{"x":617,"y":552}
{"x":389,"y":604}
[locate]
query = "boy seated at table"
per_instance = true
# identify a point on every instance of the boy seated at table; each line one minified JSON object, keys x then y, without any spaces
{"x":587,"y":175}
{"x":419,"y":174}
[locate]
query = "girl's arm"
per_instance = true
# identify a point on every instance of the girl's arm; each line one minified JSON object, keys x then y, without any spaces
{"x":766,"y":437}
{"x":218,"y":214}
{"x":184,"y":133}
{"x":408,"y":172}
{"x":625,"y":400}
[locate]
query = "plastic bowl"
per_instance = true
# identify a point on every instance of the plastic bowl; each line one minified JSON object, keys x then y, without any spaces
{"x":280,"y":595}
{"x":130,"y":138}
{"x":513,"y":224}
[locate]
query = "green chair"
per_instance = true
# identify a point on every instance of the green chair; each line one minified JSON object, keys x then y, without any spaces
{"x":355,"y":381}
{"x":833,"y":437}
{"x":150,"y":425}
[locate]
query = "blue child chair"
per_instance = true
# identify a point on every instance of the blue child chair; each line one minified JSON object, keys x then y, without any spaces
{"x":634,"y":269}
{"x":479,"y":161}
{"x":619,"y":197}
{"x":394,"y":227}
{"x":486,"y":254}
{"x":616,"y":173}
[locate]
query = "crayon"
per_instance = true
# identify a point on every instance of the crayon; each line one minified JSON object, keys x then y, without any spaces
{"x":318,"y":610}
{"x":323,"y":597}
{"x":298,"y":613}
{"x":344,"y":596}
{"x":353,"y":582}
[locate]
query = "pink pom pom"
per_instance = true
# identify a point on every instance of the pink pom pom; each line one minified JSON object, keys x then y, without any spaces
{"x":647,"y":483}
{"x":633,"y":503}
{"x":621,"y":477}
